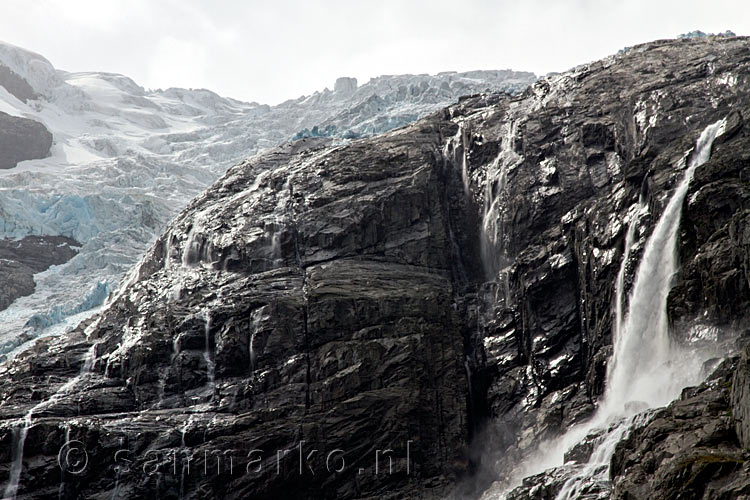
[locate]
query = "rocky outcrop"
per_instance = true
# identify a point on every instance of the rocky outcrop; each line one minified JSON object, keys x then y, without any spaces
{"x":22,"y":139}
{"x":688,"y":450}
{"x":441,"y":295}
{"x":15,"y":85}
{"x":23,"y":258}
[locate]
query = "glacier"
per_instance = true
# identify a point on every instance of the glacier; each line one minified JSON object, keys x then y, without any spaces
{"x":125,"y":160}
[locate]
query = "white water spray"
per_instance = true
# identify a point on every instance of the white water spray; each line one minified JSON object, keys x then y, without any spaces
{"x":644,"y":365}
{"x":647,"y":370}
{"x":494,"y":188}
{"x":451,"y":148}
{"x":640,"y":209}
{"x":210,"y":365}
{"x":19,"y":438}
{"x":255,"y":321}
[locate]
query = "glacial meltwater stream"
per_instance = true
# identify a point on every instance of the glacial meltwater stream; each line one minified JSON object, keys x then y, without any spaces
{"x":647,"y":369}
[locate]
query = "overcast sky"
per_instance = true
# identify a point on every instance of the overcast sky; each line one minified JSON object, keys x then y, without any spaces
{"x":272,"y":50}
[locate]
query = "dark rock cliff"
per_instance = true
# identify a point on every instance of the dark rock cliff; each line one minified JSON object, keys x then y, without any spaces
{"x":23,"y":258}
{"x":441,"y":296}
{"x":307,"y":299}
{"x":580,"y":149}
{"x":16,"y":85}
{"x":22,"y":139}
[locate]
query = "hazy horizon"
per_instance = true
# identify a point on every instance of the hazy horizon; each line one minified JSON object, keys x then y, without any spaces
{"x":254,"y":51}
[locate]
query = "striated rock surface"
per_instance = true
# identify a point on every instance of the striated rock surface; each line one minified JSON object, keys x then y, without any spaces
{"x":442,"y":295}
{"x":740,"y":400}
{"x":307,"y":299}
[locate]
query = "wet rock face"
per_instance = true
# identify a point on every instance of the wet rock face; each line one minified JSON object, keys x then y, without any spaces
{"x":22,"y":139}
{"x":444,"y":291}
{"x":688,"y":450}
{"x":578,"y":150}
{"x":23,"y":258}
{"x":714,"y":235}
{"x":307,"y":299}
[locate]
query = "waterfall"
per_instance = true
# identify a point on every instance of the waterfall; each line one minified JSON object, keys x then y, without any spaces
{"x":491,"y":225}
{"x":61,"y":489}
{"x":165,"y":372}
{"x":274,"y":229}
{"x":210,"y":365}
{"x":190,"y":249}
{"x":642,"y":347}
{"x":596,"y":470}
{"x":20,"y":432}
{"x":451,"y":148}
{"x":19,"y":438}
{"x":184,"y":449}
{"x":641,"y":208}
{"x":168,"y":251}
{"x":255,"y":321}
{"x":646,"y":370}
{"x":494,"y":187}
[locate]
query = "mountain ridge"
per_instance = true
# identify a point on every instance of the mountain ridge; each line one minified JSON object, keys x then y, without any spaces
{"x":445,"y":291}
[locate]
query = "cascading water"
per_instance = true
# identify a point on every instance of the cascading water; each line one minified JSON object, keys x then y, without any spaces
{"x":168,"y":251}
{"x":61,"y":489}
{"x":643,"y":354}
{"x":210,"y":365}
{"x":620,"y":284}
{"x":165,"y":372}
{"x":491,"y":225}
{"x":186,"y":459}
{"x":274,"y":232}
{"x":647,"y":370}
{"x":494,"y":187}
{"x":255,"y":321}
{"x":191,"y":250}
{"x":451,"y":150}
{"x":20,"y":432}
{"x":19,"y":438}
{"x":642,"y":350}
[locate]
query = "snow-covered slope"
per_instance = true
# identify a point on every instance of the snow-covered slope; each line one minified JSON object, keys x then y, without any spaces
{"x":125,"y":160}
